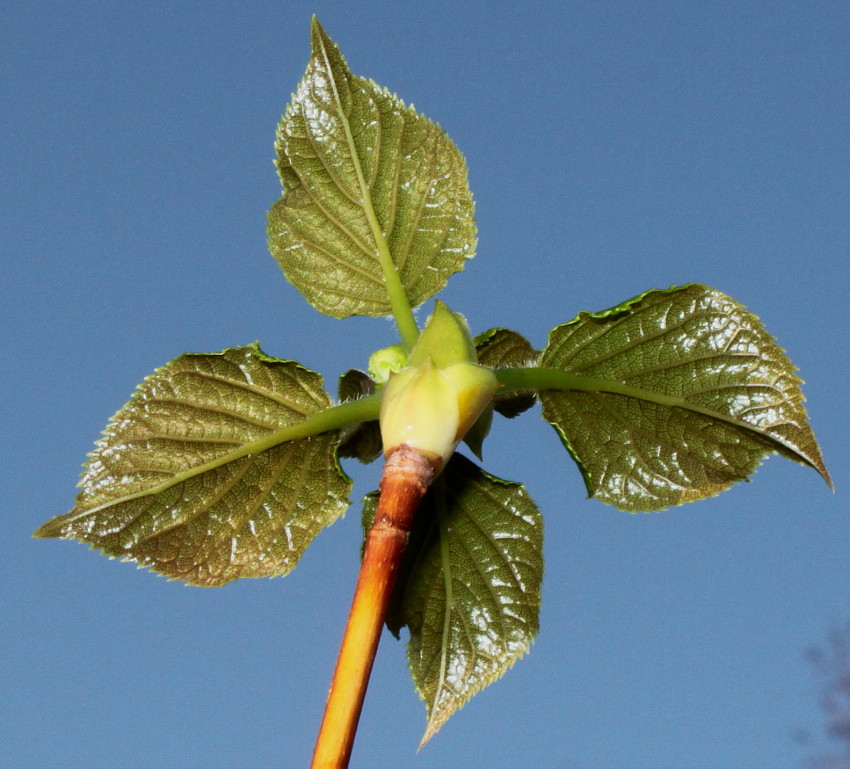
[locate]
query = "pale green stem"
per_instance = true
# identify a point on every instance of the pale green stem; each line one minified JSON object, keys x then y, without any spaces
{"x":538,"y":378}
{"x":402,"y":311}
{"x":333,"y":418}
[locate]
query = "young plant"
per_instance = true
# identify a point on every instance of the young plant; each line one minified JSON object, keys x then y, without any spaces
{"x":226,"y":465}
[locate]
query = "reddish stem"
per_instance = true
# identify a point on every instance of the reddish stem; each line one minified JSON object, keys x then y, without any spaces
{"x":406,"y":477}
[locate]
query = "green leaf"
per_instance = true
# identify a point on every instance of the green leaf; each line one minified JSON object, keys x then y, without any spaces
{"x":672,"y":396}
{"x":476,"y":434}
{"x":503,"y":348}
{"x":362,"y":441}
{"x":469,"y":591}
{"x":192,"y":479}
{"x":373,"y":193}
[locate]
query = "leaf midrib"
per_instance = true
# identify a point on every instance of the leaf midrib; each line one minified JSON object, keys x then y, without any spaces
{"x":327,"y":420}
{"x":392,"y":280}
{"x":542,"y":379}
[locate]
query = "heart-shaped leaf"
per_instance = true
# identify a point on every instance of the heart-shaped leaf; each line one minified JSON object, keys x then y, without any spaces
{"x":469,"y":591}
{"x":673,"y":396}
{"x":213,"y":471}
{"x":375,"y":196}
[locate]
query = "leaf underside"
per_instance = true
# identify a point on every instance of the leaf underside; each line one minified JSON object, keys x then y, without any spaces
{"x":348,"y":150}
{"x":169,"y":486}
{"x":361,"y":441}
{"x":703,"y":394}
{"x":503,"y":348}
{"x":469,"y":590}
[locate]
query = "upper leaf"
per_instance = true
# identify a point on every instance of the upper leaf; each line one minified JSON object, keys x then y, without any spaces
{"x":677,"y":395}
{"x":190,"y":479}
{"x":369,"y":187}
{"x":469,"y":591}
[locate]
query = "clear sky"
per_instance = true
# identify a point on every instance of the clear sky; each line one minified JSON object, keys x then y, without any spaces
{"x":613,"y":147}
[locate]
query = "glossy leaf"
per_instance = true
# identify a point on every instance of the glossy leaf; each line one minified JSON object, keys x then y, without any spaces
{"x":675,"y":396}
{"x":503,"y":348}
{"x":469,"y":591}
{"x":191,"y":478}
{"x":369,"y":186}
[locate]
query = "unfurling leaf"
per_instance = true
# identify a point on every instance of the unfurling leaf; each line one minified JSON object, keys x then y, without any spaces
{"x":190,"y":480}
{"x":503,"y":348}
{"x":682,"y":394}
{"x":368,"y":185}
{"x":469,"y":591}
{"x":361,"y":441}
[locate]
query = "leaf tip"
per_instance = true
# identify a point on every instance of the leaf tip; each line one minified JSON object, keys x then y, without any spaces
{"x":319,"y":39}
{"x":425,"y":738}
{"x":824,"y":473}
{"x":433,"y":726}
{"x":47,"y":530}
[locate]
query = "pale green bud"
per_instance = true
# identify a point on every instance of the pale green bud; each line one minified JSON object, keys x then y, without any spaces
{"x":474,"y":387}
{"x":433,"y":403}
{"x":420,"y":409}
{"x":445,"y":340}
{"x":384,"y":362}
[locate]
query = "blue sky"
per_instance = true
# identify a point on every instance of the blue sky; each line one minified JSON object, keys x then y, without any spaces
{"x":612,"y":148}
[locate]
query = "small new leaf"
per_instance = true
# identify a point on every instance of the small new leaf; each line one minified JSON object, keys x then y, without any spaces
{"x":673,"y":396}
{"x":191,"y":478}
{"x":373,"y":192}
{"x":469,"y":591}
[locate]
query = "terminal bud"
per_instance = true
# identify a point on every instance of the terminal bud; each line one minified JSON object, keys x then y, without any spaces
{"x":432,"y":403}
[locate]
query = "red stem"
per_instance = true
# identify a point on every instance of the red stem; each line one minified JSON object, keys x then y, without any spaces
{"x":406,"y":477}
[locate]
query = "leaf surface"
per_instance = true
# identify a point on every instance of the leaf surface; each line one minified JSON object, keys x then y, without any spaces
{"x":190,"y":479}
{"x":362,"y":441}
{"x":469,"y":591}
{"x":370,"y":187}
{"x":503,"y":348}
{"x":678,"y":394}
